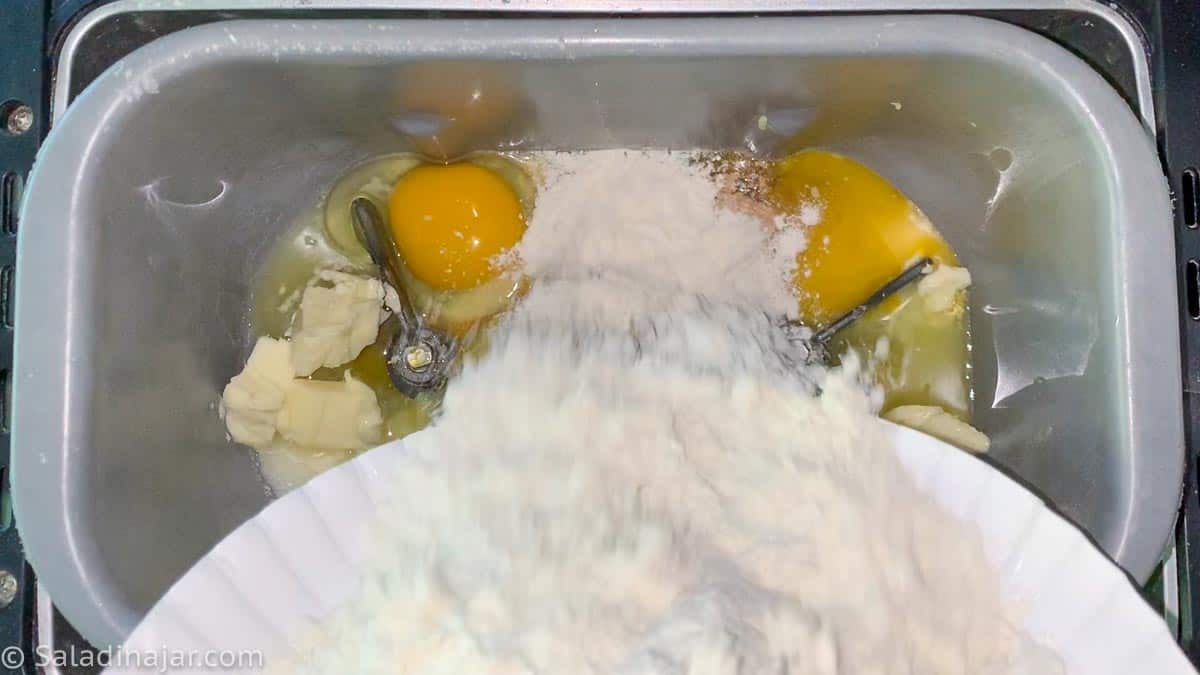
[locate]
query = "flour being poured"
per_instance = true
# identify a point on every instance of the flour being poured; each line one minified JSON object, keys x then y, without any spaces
{"x":640,"y":476}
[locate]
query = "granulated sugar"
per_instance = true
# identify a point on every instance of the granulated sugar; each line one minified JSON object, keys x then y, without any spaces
{"x":639,"y":478}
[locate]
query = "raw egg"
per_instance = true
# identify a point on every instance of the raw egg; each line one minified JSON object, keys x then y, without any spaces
{"x":862,"y":231}
{"x":453,"y":309}
{"x":498,"y":192}
{"x":452,"y":221}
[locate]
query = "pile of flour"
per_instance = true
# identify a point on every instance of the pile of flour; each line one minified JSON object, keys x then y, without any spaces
{"x":632,"y":231}
{"x":639,"y":478}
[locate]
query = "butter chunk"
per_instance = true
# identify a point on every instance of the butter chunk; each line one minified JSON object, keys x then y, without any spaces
{"x":339,"y":315}
{"x":265,"y":402}
{"x":341,"y":415}
{"x":253,"y":398}
{"x":940,"y":288}
{"x":940,"y":424}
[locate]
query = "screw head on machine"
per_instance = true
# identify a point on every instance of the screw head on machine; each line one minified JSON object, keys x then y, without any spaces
{"x":8,"y":588}
{"x":18,"y":120}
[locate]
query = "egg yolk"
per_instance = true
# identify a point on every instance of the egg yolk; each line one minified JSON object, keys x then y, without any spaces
{"x":866,"y":232}
{"x":451,"y":221}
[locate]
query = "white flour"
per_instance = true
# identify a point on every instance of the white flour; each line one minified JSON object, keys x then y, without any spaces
{"x":636,"y":479}
{"x":646,"y":223}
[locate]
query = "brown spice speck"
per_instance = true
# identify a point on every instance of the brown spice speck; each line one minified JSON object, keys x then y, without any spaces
{"x":745,"y":183}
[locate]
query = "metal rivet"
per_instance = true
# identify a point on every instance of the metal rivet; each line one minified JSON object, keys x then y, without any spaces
{"x":18,"y":119}
{"x":8,"y":588}
{"x":418,"y":356}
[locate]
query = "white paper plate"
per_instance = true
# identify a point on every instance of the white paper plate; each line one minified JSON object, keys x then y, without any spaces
{"x":273,"y":578}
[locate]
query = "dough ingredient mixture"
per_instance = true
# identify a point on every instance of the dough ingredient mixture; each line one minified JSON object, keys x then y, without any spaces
{"x":805,"y":237}
{"x":318,"y":292}
{"x":637,"y":477}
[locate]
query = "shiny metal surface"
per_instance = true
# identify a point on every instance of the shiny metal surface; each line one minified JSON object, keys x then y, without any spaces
{"x":417,"y":357}
{"x":1101,"y":12}
{"x":1035,"y":169}
{"x":914,"y":272}
{"x":373,"y":235}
